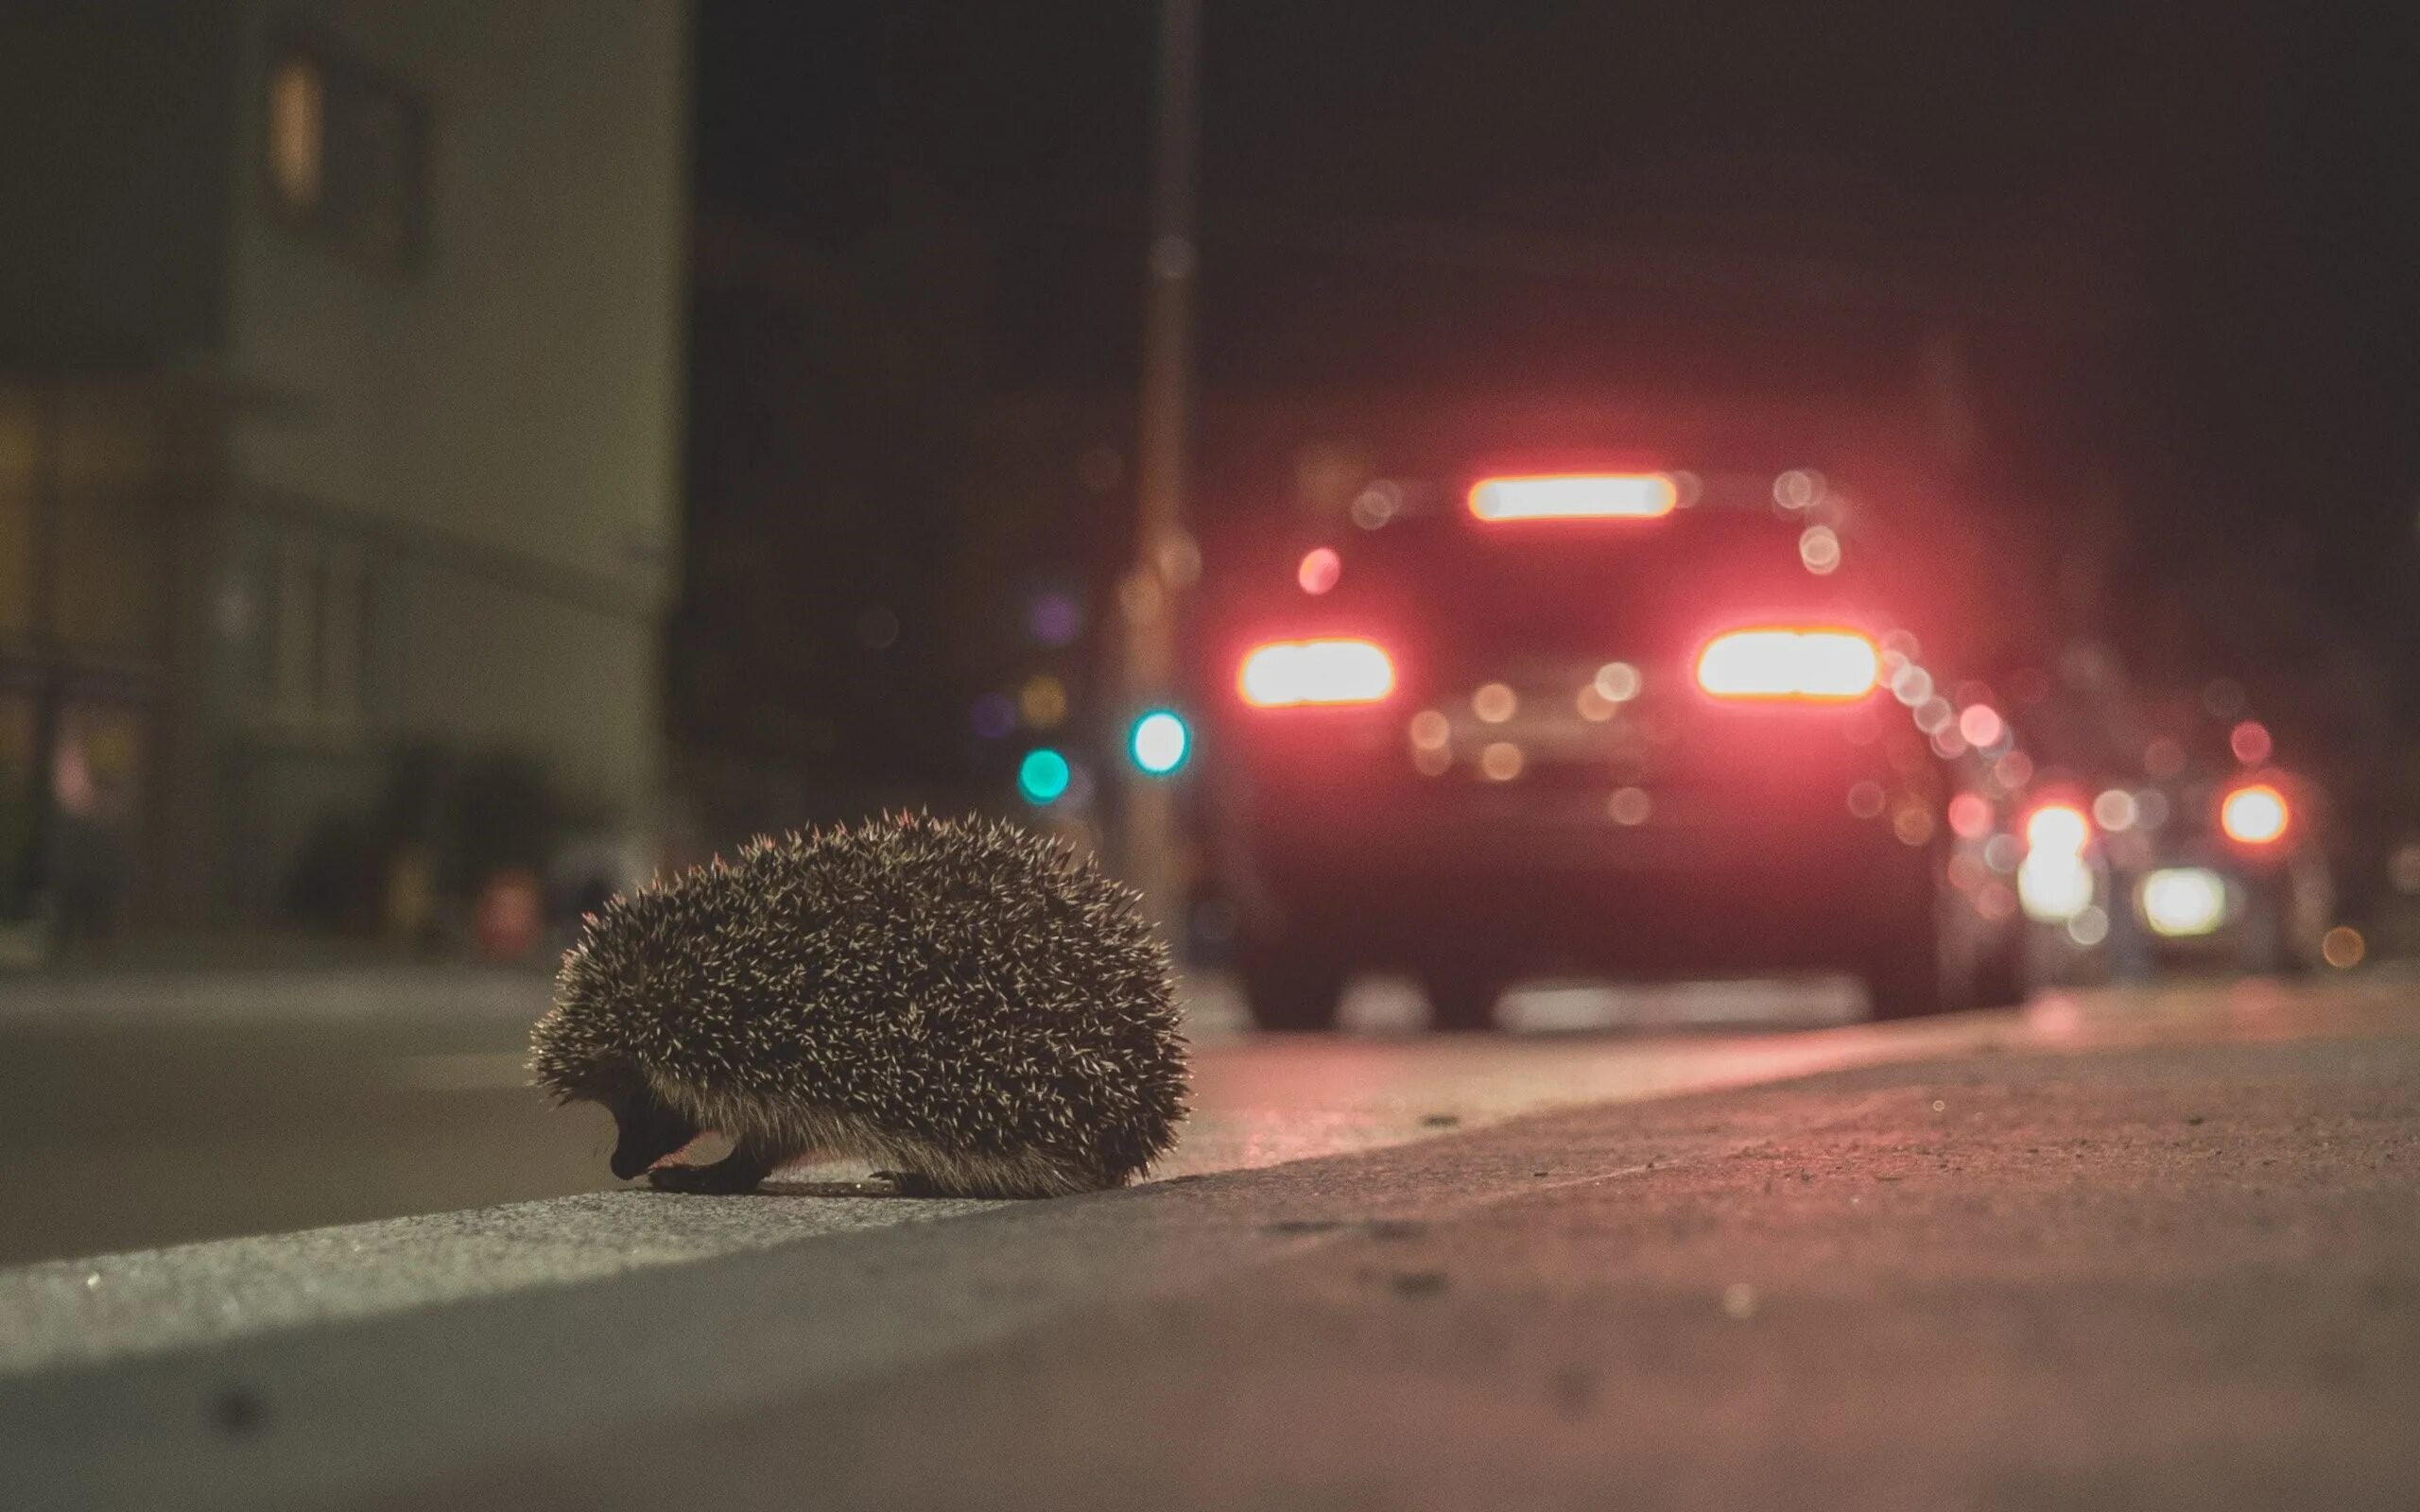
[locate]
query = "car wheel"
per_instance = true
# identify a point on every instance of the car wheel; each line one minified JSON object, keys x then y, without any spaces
{"x":1907,"y":985}
{"x":2266,"y":942}
{"x":1461,"y":1002}
{"x":1909,"y":965}
{"x":1290,"y":991}
{"x":1911,"y":971}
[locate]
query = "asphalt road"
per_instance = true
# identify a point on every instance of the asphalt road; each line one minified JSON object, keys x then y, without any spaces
{"x":2140,"y":1250}
{"x":148,"y":1109}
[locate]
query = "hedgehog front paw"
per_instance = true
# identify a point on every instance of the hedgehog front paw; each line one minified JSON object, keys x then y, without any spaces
{"x":738,"y":1172}
{"x":909,"y":1183}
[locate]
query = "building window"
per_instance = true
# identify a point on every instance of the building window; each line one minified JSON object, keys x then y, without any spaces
{"x":346,"y":153}
{"x":297,"y":132}
{"x":318,"y":624}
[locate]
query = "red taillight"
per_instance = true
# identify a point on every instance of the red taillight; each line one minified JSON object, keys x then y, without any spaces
{"x":2254,"y":814}
{"x":1575,"y":496}
{"x":1288,"y":674}
{"x":1780,"y":663}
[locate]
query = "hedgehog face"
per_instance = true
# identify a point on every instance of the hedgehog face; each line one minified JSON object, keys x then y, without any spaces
{"x":647,"y":1128}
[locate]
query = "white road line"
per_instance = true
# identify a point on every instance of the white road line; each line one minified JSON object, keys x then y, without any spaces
{"x":1259,"y":1103}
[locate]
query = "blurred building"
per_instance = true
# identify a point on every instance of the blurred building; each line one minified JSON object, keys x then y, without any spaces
{"x":341,"y":377}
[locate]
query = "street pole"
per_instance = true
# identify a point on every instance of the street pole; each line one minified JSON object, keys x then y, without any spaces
{"x":50,"y":423}
{"x":1165,"y":562}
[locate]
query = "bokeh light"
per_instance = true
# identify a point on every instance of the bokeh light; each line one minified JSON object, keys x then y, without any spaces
{"x":2250,"y":741}
{"x":2254,"y":814}
{"x":2181,"y":902}
{"x":2343,"y":947}
{"x":2054,"y":886}
{"x":2114,"y":809}
{"x":992,"y":716}
{"x":1618,"y":681}
{"x":1970,"y":814}
{"x":1319,"y":570}
{"x":1160,"y":741}
{"x":2151,"y":808}
{"x":1054,"y":618}
{"x":1043,"y":776}
{"x":1043,"y":701}
{"x":1798,"y":489}
{"x":2057,"y":828}
{"x":1982,"y":725}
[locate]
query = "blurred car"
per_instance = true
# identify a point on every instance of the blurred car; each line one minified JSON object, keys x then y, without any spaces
{"x":1596,"y":721}
{"x":2234,"y":876}
{"x":2176,"y":838}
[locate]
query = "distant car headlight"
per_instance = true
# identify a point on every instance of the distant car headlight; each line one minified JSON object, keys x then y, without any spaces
{"x":2054,"y":886}
{"x":2183,"y":902}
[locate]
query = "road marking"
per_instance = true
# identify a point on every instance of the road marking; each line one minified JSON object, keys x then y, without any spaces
{"x":1259,"y":1103}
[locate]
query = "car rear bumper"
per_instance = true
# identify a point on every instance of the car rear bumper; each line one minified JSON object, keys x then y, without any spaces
{"x":1686,"y":880}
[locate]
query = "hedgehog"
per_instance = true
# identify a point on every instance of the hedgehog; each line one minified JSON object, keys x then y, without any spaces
{"x":974,"y":1010}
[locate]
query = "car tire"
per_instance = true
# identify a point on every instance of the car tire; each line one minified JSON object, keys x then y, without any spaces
{"x":1290,"y":991}
{"x":2266,"y":945}
{"x":1461,"y":1002}
{"x":1906,"y":968}
{"x":1905,"y":985}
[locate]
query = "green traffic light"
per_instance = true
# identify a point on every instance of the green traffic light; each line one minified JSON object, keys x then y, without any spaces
{"x":1043,"y":776}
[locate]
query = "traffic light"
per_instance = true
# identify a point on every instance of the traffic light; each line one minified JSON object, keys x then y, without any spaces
{"x":1159,"y":743}
{"x":1044,"y":775}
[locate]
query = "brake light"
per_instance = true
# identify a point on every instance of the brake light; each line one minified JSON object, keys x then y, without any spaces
{"x":1288,"y":674}
{"x":1575,"y":496}
{"x":1779,"y":662}
{"x":2254,"y":814}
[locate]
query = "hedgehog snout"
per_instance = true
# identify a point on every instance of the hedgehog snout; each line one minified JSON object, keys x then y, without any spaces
{"x":649,"y":1131}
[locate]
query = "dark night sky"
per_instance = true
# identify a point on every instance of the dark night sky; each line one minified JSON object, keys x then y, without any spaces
{"x":2240,"y":175}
